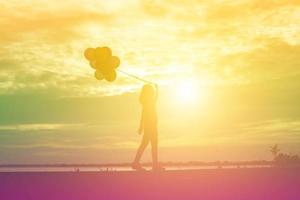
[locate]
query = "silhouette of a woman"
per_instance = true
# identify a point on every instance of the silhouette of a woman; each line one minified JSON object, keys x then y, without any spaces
{"x":148,"y":125}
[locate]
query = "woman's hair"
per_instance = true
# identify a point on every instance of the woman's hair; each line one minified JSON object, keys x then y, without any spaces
{"x":147,"y":94}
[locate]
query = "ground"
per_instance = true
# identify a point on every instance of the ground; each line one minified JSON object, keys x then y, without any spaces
{"x":207,"y":184}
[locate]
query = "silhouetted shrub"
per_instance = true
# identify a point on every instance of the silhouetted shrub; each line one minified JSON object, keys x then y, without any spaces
{"x":286,"y":159}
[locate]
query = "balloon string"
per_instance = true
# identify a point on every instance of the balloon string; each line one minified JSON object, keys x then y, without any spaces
{"x":133,"y":76}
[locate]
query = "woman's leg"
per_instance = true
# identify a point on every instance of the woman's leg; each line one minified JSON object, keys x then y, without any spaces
{"x":154,"y":149}
{"x":141,"y":149}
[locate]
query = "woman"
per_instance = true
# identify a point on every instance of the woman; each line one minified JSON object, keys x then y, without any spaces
{"x":148,"y":126}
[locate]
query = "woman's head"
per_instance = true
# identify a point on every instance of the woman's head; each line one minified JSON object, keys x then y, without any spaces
{"x":147,"y":94}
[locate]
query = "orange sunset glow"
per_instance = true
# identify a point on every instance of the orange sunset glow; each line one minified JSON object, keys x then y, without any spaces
{"x":227,"y":73}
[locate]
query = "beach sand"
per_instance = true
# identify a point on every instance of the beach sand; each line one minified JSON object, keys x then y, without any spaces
{"x":206,"y":184}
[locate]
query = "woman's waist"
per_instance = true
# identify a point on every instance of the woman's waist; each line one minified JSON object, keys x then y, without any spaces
{"x":150,"y":121}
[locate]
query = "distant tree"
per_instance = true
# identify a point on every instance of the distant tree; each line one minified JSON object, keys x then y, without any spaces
{"x":275,"y":150}
{"x":287,"y":159}
{"x":284,"y":158}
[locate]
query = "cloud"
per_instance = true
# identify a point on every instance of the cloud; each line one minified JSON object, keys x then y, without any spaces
{"x":281,"y":131}
{"x":238,"y":23}
{"x":275,"y":59}
{"x":38,"y":127}
{"x":154,"y":8}
{"x":233,"y":11}
{"x":64,"y":136}
{"x":44,"y":41}
{"x":57,"y":24}
{"x":48,"y":106}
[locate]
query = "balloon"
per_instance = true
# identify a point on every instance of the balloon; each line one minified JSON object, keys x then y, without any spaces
{"x":107,"y":51}
{"x":103,"y":62}
{"x":93,"y":64}
{"x":102,"y":54}
{"x":89,"y":54}
{"x":105,"y":69}
{"x":110,"y":75}
{"x":99,"y":65}
{"x":114,"y":61}
{"x":98,"y":75}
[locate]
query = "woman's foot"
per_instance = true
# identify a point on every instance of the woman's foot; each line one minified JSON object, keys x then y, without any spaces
{"x":158,"y":168}
{"x":138,"y":167}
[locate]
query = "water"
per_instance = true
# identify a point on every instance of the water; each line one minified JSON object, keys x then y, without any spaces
{"x":112,"y":169}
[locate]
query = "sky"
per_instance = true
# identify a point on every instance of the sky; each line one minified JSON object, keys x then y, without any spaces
{"x":228,"y":74}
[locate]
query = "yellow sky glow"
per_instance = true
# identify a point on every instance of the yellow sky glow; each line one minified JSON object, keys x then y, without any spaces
{"x":227,"y":71}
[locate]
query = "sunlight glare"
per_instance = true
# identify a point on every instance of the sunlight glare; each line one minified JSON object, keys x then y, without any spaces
{"x":187,"y":92}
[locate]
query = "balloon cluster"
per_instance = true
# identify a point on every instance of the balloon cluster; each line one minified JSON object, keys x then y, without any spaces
{"x":103,"y":62}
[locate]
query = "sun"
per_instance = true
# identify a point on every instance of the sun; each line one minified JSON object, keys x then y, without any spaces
{"x":187,"y":92}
